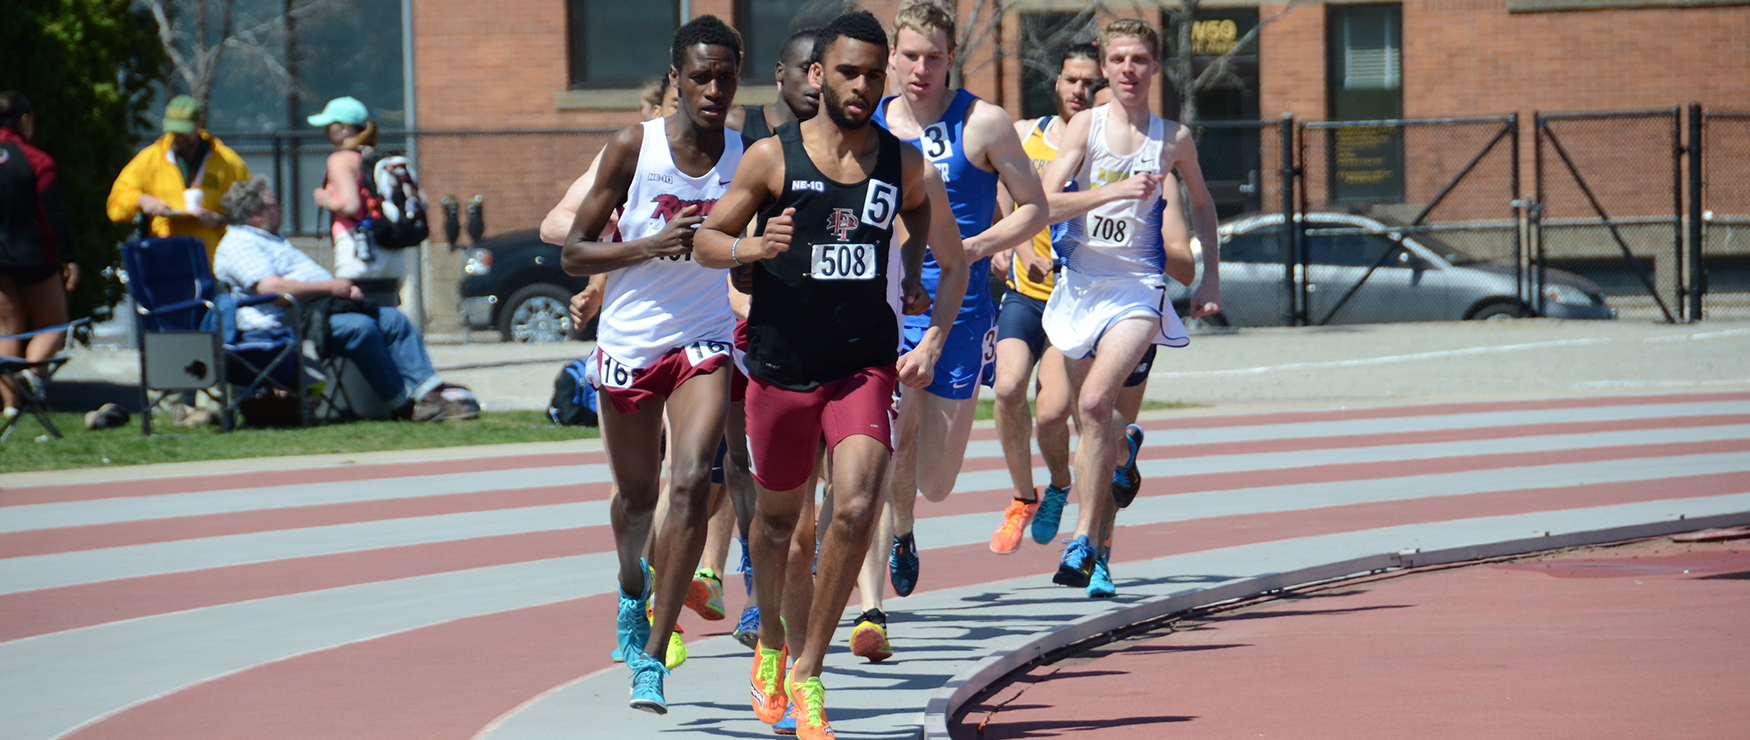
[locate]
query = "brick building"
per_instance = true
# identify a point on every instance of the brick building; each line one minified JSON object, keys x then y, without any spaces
{"x":530,"y":87}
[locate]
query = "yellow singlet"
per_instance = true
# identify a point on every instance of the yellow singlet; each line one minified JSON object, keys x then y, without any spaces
{"x":1041,"y":153}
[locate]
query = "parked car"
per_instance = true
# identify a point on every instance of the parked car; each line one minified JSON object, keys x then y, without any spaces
{"x":513,"y":283}
{"x":1424,"y":279}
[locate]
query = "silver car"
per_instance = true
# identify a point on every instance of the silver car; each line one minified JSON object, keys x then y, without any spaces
{"x":1425,"y":280}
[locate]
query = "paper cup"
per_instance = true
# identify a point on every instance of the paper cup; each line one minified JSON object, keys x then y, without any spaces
{"x":192,"y":199}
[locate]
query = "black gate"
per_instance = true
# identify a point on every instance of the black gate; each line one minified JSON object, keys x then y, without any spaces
{"x":1610,"y":209}
{"x":1721,"y":275}
{"x":1408,"y":220}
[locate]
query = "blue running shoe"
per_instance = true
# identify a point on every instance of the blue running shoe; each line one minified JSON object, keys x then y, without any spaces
{"x":902,"y":564}
{"x":746,"y":565}
{"x":1126,"y":479}
{"x":632,"y":626}
{"x":647,"y":675}
{"x":1078,"y":563}
{"x":1100,"y":583}
{"x":787,"y":725}
{"x":1050,"y":514}
{"x":747,"y":631}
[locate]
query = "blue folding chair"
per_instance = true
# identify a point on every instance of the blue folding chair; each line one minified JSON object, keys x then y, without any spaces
{"x":188,"y":336}
{"x":30,"y":378}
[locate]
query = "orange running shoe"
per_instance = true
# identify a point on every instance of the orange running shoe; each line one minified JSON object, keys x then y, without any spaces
{"x":811,"y":724}
{"x":1015,"y":520}
{"x":705,"y":595}
{"x":767,"y":683}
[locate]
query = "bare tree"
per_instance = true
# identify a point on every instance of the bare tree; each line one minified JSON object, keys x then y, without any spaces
{"x":199,"y":35}
{"x":1181,"y":66}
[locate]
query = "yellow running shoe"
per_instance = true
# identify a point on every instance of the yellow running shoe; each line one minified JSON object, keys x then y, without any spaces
{"x":811,"y":718}
{"x":1015,"y":520}
{"x":869,"y":637}
{"x":769,"y":700}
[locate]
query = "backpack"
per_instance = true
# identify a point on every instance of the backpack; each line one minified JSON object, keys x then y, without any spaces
{"x":574,"y":400}
{"x":394,"y":214}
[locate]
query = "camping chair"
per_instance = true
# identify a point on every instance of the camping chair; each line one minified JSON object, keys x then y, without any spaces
{"x":33,"y":396}
{"x":188,"y":337}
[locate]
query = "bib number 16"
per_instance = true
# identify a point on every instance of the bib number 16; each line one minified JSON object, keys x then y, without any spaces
{"x":844,"y":262}
{"x":614,"y":374}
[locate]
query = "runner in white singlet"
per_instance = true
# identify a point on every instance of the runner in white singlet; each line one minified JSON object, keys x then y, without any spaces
{"x":665,"y":335}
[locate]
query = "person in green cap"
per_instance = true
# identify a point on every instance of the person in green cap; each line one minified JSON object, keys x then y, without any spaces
{"x":179,"y":180}
{"x":353,"y":134}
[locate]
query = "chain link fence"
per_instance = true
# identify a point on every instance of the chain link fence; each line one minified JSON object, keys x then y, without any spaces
{"x":1725,"y":252}
{"x":1611,"y":194}
{"x":1241,"y":163}
{"x":1409,"y":220}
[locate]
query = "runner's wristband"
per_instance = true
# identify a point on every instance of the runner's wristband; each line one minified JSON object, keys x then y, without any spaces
{"x":732,"y":257}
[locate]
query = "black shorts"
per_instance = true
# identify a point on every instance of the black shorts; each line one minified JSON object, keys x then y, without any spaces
{"x":31,"y":275}
{"x":1021,"y":317}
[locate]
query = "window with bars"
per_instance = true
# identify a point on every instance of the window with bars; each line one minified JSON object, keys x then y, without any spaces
{"x":619,"y":44}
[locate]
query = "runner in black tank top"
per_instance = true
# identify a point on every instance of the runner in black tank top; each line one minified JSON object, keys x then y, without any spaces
{"x":821,"y":327}
{"x":822,"y":348}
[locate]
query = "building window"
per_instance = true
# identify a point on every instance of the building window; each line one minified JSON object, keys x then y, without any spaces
{"x":1044,"y":36}
{"x":1364,"y":53}
{"x":619,"y":44}
{"x":764,"y":24}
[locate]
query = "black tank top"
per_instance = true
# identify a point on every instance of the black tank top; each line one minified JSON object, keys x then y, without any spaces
{"x":753,"y":126}
{"x":805,"y":329}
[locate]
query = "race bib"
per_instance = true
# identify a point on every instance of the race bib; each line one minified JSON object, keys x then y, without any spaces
{"x":614,"y":374}
{"x":843,"y":262}
{"x":990,"y":346}
{"x":1111,"y":230}
{"x":703,"y":350}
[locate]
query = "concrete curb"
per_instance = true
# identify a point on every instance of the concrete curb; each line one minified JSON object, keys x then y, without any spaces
{"x":948,"y":699}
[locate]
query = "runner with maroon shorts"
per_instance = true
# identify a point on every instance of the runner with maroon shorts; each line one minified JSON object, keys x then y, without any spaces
{"x":665,"y":335}
{"x":823,"y":352}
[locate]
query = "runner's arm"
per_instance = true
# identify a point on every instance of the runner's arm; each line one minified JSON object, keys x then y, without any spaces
{"x":583,"y":254}
{"x":990,"y":130}
{"x":1206,"y":299}
{"x":1070,"y":153}
{"x":924,"y":210}
{"x":557,"y":224}
{"x":757,"y":180}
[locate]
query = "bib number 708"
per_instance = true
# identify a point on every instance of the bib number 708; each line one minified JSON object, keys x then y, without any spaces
{"x":1109,"y":229}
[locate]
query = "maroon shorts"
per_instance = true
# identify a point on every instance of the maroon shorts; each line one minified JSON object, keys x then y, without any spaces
{"x":737,"y":385}
{"x":784,"y":427}
{"x":627,"y":388}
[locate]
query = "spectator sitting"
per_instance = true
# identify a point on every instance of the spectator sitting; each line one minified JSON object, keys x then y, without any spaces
{"x":37,"y":261}
{"x":179,"y":179}
{"x":254,"y":259}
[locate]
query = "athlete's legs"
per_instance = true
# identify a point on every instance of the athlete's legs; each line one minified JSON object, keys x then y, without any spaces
{"x":735,"y":468}
{"x":1014,"y":422}
{"x":799,"y":573}
{"x":774,"y":526}
{"x":1094,"y":384}
{"x":696,"y":425}
{"x":1051,"y":413}
{"x":629,"y":439}
{"x":718,"y":532}
{"x":872,"y":581}
{"x":940,"y":428}
{"x":858,"y":462}
{"x":1128,"y":406}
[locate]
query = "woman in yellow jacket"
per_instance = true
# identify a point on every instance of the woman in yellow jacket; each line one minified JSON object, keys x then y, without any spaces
{"x":180,"y":178}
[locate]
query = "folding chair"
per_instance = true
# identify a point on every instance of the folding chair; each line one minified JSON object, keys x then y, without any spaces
{"x":188,"y":337}
{"x":33,"y":396}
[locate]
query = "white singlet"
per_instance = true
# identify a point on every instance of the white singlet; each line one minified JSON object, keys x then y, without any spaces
{"x":660,"y":304}
{"x":1114,"y":256}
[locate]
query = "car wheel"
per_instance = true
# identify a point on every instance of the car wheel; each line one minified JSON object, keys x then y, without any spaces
{"x":536,"y":313}
{"x":1497,"y":312}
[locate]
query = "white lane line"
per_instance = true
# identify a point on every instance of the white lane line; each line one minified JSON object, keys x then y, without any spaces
{"x":94,"y":566}
{"x":1655,"y":383}
{"x":1435,"y":355}
{"x":140,"y":508}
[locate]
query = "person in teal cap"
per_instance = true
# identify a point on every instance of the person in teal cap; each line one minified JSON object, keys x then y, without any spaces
{"x":352,"y":132}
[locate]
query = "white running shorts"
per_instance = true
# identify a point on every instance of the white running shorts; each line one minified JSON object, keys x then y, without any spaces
{"x":1081,"y":310}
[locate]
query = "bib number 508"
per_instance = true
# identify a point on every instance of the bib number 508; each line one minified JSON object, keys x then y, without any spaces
{"x":844,"y":262}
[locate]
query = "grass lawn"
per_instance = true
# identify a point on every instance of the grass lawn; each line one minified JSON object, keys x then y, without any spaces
{"x":126,"y":446}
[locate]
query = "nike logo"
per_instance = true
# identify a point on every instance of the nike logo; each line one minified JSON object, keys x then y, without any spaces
{"x":723,"y":183}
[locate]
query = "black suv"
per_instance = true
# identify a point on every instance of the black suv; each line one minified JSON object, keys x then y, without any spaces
{"x":513,"y":283}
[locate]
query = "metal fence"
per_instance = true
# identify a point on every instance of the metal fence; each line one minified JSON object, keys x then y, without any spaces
{"x":1721,"y":214}
{"x":1610,"y":191}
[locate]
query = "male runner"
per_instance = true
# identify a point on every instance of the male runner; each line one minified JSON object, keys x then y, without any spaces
{"x":1021,"y":337}
{"x":973,"y":147}
{"x":797,"y":101}
{"x":1109,"y":304}
{"x":823,"y":335}
{"x":665,"y":335}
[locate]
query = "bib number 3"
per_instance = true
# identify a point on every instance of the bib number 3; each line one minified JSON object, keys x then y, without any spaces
{"x":843,"y":262}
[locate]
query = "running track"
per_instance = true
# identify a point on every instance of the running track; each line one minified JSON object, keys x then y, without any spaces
{"x":473,"y":597}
